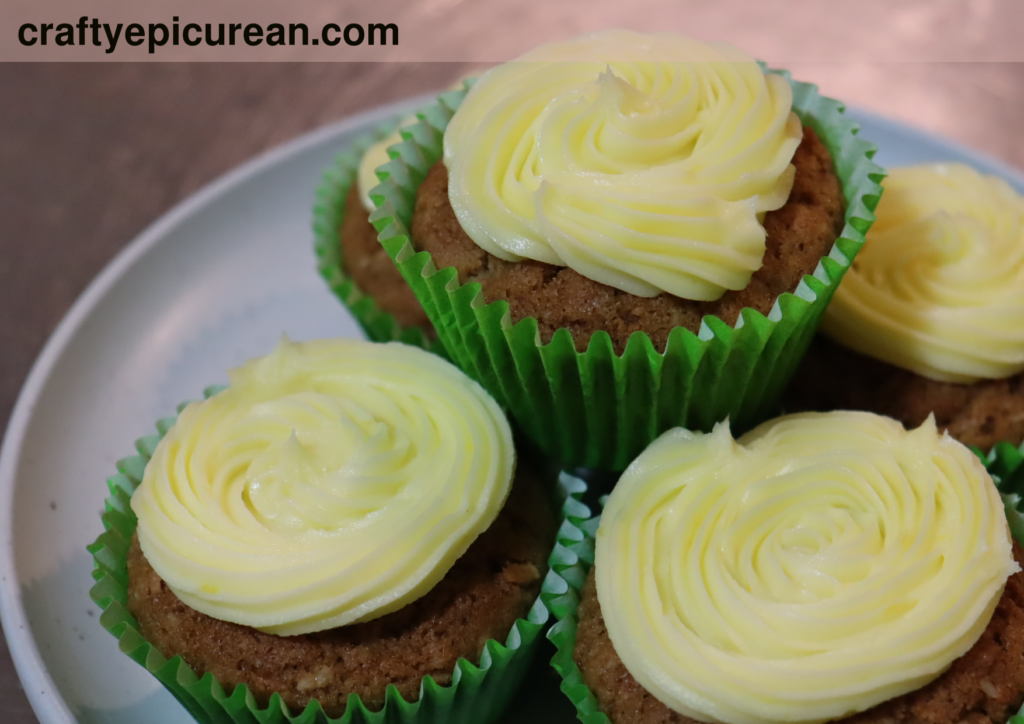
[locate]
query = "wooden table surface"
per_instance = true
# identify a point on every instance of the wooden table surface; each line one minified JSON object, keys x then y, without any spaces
{"x":92,"y":153}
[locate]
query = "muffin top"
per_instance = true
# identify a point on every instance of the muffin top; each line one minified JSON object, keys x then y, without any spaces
{"x":333,"y":482}
{"x":938,"y":288}
{"x":643,"y":162}
{"x":821,"y":564}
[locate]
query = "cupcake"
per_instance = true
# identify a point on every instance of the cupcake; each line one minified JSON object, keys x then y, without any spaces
{"x":622,"y":233}
{"x":343,"y":530}
{"x":931,"y":318}
{"x":350,"y":259}
{"x":825,"y":566}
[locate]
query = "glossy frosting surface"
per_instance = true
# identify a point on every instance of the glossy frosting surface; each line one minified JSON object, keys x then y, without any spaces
{"x":331,"y":483}
{"x":819,"y":565}
{"x":644,"y":162}
{"x":938,"y":288}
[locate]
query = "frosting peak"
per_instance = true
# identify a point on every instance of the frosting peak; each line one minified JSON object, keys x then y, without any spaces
{"x":644,"y":162}
{"x":331,"y":483}
{"x":938,"y":288}
{"x":821,"y":564}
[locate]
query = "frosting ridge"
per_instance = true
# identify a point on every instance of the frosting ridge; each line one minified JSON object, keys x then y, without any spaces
{"x":821,"y":564}
{"x":331,"y":483}
{"x":938,"y":288}
{"x":644,"y":162}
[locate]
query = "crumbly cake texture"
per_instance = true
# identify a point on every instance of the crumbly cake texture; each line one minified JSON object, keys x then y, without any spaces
{"x":479,"y":689}
{"x":371,"y":268}
{"x":495,"y":582}
{"x":598,"y":409}
{"x":984,"y":685}
{"x":798,"y":235}
{"x":832,"y":377}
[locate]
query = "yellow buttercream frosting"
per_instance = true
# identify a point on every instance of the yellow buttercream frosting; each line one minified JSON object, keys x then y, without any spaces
{"x":938,"y":288}
{"x":644,"y":162}
{"x":821,"y":564}
{"x":333,"y":482}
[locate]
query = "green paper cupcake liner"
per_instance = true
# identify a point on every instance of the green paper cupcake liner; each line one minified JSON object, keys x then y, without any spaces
{"x":478,"y":692}
{"x":573,"y":556}
{"x":597,"y":409}
{"x":328,"y":215}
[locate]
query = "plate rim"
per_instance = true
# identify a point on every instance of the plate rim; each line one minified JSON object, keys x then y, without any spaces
{"x":45,"y":698}
{"x":47,"y":701}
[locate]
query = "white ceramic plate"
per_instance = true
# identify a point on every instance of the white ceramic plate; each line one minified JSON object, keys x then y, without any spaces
{"x":211,"y":284}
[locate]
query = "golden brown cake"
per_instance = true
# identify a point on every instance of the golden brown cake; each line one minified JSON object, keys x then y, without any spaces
{"x":624,"y":222}
{"x":495,"y":582}
{"x":372,"y":269}
{"x":832,"y":377}
{"x":345,"y":516}
{"x":984,"y":686}
{"x":798,"y":235}
{"x":822,"y":567}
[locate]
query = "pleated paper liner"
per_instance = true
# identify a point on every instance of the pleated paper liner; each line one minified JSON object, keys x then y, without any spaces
{"x":597,"y":409}
{"x":328,"y":215}
{"x":478,"y":692}
{"x":573,"y":557}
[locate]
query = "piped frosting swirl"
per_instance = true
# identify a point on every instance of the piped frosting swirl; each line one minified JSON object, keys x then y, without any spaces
{"x":331,"y":483}
{"x":644,"y":162}
{"x":816,"y":567}
{"x":938,"y":288}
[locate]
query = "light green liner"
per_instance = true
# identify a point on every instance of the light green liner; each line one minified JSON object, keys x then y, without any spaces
{"x":477,"y":694}
{"x":597,"y":409}
{"x":573,"y":557}
{"x":328,"y":215}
